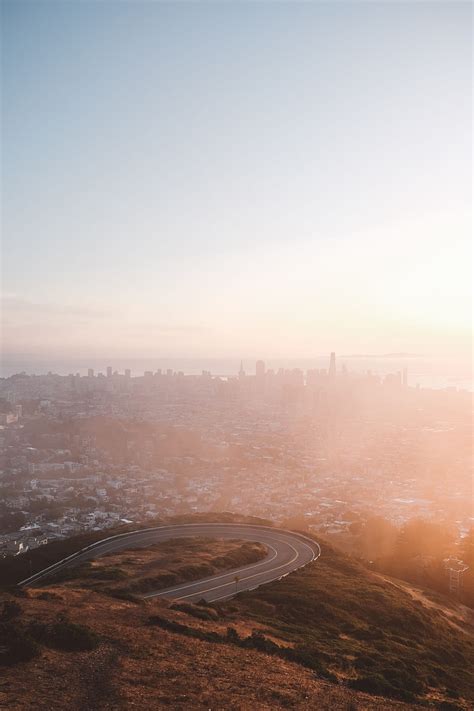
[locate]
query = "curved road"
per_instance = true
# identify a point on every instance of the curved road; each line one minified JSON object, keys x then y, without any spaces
{"x":287,"y":551}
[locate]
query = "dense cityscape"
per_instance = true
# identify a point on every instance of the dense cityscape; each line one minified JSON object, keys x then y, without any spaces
{"x":329,"y":447}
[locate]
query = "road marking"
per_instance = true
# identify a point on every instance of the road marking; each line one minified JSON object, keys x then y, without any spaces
{"x":140,"y":537}
{"x":295,"y":557}
{"x":217,"y":577}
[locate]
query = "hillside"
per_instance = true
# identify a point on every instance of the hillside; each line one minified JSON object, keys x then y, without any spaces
{"x":375,"y":634}
{"x":330,"y":636}
{"x":135,"y":665}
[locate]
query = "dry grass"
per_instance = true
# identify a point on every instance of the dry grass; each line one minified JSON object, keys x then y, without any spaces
{"x":143,"y":667}
{"x":333,"y":620}
{"x":140,"y":570}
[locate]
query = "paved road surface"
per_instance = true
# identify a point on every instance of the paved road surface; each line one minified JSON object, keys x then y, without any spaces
{"x":287,"y":551}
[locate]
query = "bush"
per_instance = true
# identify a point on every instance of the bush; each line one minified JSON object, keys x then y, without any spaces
{"x":257,"y":640}
{"x":402,"y":679}
{"x":47,"y":595}
{"x":232,"y":635}
{"x":122,"y":595}
{"x":376,"y":684}
{"x":111,"y":573}
{"x":172,"y":626}
{"x":199,"y":612}
{"x":65,"y":635}
{"x":11,"y":609}
{"x":15,"y":645}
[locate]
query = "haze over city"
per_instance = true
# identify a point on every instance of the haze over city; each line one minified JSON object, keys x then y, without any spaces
{"x":236,"y":395}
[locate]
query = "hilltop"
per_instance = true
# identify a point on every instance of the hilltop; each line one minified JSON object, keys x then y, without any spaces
{"x":331,"y":636}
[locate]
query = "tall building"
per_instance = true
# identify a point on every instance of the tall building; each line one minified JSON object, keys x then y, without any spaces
{"x":241,"y":371}
{"x":260,"y":377}
{"x":405,"y":377}
{"x":90,"y":373}
{"x":332,"y":366}
{"x":128,"y":372}
{"x":109,"y":371}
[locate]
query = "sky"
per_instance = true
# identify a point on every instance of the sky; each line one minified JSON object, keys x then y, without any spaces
{"x":269,"y":178}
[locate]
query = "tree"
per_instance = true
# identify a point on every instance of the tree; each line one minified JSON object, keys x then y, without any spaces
{"x":377,"y":538}
{"x":423,"y":538}
{"x":296,"y":523}
{"x":12,"y":521}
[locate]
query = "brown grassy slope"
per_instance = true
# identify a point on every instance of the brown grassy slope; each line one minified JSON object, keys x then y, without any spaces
{"x":140,"y":570}
{"x":375,"y":634}
{"x":143,"y":667}
{"x":274,"y":647}
{"x":455,"y":613}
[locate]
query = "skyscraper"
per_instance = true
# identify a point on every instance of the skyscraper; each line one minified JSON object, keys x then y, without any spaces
{"x":241,"y":371}
{"x":260,"y":369}
{"x":109,"y":371}
{"x":332,"y":366}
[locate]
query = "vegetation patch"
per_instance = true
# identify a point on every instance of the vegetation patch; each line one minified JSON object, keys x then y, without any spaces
{"x":177,"y":573}
{"x":348,"y":621}
{"x":16,"y":645}
{"x":202,"y":613}
{"x":131,"y":573}
{"x":256,"y":640}
{"x":64,"y":635}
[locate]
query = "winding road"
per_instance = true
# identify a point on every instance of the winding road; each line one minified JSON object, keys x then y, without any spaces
{"x":287,"y":551}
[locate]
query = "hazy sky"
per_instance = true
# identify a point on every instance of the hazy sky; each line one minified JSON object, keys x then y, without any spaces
{"x":277,"y":179}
